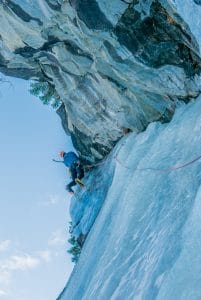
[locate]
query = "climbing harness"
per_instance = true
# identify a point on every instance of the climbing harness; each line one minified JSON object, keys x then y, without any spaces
{"x":78,"y":181}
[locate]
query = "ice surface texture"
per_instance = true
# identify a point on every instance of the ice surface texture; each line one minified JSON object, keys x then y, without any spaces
{"x":145,"y":243}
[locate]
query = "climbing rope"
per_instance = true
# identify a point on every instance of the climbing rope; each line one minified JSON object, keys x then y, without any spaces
{"x":174,"y":168}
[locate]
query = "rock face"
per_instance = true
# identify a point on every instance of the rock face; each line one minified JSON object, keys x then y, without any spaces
{"x":117,"y":65}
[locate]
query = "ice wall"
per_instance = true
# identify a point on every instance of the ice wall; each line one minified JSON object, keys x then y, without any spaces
{"x":145,"y":242}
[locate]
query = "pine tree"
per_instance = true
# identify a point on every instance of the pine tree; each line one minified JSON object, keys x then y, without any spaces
{"x":45,"y":92}
{"x":75,"y":250}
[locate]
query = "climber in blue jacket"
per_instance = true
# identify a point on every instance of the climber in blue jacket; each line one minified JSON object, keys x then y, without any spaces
{"x":72,"y":161}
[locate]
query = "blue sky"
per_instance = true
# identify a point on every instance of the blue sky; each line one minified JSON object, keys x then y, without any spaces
{"x":33,"y":202}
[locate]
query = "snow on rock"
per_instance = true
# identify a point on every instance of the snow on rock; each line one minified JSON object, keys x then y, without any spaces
{"x":145,"y":241}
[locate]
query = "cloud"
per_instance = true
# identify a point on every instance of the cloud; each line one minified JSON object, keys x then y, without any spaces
{"x":57,"y":239}
{"x":5,"y":277}
{"x":45,"y":255}
{"x":4,"y":245}
{"x":52,"y":200}
{"x":3,"y":293}
{"x":16,"y":263}
{"x":22,"y":262}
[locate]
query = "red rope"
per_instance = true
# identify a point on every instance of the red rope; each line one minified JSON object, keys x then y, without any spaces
{"x":174,"y":168}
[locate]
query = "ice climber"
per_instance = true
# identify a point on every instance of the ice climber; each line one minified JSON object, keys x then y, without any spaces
{"x":72,"y":161}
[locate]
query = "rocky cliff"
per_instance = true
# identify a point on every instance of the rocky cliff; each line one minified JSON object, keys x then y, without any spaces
{"x":117,"y":65}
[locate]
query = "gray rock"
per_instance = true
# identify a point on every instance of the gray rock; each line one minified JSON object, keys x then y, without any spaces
{"x":197,"y":2}
{"x":64,"y":118}
{"x":116,"y":65}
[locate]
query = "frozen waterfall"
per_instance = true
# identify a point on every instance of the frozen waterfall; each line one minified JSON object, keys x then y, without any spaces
{"x":145,"y":243}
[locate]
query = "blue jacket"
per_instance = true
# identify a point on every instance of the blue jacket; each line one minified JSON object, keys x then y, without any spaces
{"x":70,"y":158}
